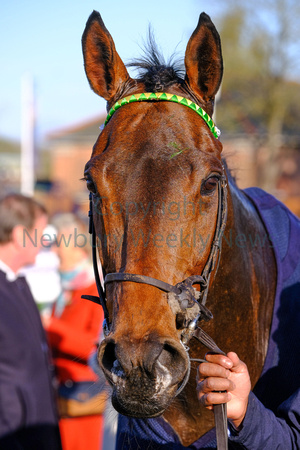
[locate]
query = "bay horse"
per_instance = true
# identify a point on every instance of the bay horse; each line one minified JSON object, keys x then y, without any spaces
{"x":156,"y":178}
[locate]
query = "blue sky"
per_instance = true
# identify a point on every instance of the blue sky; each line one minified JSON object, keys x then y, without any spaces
{"x":44,"y":39}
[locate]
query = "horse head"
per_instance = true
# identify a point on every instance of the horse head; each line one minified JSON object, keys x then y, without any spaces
{"x":154,"y":175}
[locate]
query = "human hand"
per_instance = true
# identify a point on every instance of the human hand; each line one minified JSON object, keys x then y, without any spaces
{"x":229,"y":374}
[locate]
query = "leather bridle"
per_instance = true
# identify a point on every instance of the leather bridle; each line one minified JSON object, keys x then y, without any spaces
{"x":184,"y":293}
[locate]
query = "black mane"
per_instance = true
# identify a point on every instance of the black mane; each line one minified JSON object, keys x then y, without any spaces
{"x":154,"y":71}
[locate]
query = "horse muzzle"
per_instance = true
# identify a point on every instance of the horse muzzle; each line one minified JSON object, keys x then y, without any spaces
{"x":145,"y":374}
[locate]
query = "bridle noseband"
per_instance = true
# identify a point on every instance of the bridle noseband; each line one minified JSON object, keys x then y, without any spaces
{"x":183,"y":291}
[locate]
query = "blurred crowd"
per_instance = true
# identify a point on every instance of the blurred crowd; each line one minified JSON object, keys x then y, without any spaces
{"x":53,"y":394}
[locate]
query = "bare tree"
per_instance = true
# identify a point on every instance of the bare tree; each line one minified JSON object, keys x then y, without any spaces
{"x":261,"y":44}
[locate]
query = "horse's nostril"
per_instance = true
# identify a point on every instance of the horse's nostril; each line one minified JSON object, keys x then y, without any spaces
{"x":149,"y":362}
{"x":115,"y":359}
{"x":171,"y":358}
{"x":117,"y":369}
{"x":109,"y":356}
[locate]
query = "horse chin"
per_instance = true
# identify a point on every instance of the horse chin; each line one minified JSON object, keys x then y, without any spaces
{"x":136,"y":409}
{"x":141,"y":400}
{"x":141,"y":409}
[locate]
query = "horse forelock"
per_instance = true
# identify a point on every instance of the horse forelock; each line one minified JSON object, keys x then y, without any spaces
{"x":154,"y":71}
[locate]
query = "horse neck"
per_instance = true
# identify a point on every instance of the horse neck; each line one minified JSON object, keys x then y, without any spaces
{"x":244,"y":287}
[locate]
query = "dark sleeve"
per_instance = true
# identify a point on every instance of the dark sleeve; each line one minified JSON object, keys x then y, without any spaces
{"x":150,"y":434}
{"x":262,"y":429}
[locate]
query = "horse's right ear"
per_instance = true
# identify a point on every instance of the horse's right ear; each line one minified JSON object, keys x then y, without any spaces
{"x":104,"y":68}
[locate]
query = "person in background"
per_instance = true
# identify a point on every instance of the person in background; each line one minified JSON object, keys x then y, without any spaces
{"x":28,"y":416}
{"x":252,"y":426}
{"x":73,"y":331}
{"x":43,"y":276}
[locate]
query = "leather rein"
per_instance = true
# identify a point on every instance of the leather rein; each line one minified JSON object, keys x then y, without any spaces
{"x":184,"y":292}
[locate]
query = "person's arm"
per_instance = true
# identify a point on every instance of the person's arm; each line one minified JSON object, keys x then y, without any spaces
{"x":252,"y":426}
{"x":69,"y":340}
{"x":77,"y":335}
{"x":262,"y":429}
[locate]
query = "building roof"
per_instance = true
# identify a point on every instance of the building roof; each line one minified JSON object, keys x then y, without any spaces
{"x":9,"y":146}
{"x":83,"y":132}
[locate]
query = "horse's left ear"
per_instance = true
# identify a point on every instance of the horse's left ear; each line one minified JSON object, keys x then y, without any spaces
{"x":203,"y":60}
{"x":104,"y":68}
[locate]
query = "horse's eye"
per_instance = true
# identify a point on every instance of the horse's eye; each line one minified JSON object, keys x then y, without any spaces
{"x":91,"y":185}
{"x":210,"y":184}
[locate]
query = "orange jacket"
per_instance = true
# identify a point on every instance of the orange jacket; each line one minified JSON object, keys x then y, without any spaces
{"x":73,"y":336}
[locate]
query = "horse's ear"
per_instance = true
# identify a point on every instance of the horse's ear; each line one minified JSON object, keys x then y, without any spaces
{"x":203,"y":60}
{"x":104,"y":68}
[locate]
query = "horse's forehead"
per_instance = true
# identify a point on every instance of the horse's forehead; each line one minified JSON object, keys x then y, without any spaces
{"x":160,"y":135}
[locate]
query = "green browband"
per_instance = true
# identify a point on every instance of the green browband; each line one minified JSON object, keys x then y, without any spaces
{"x":163,"y":96}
